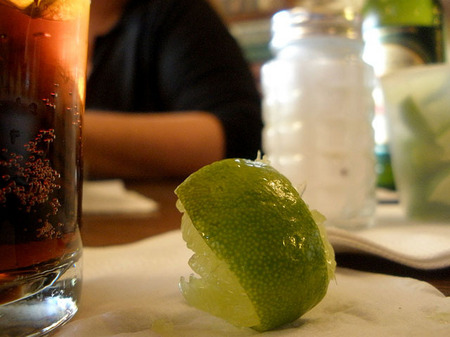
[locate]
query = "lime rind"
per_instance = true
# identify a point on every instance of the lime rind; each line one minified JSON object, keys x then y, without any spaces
{"x":320,"y":219}
{"x":217,"y":291}
{"x":19,"y":4}
{"x":440,"y":186}
{"x":416,"y":121}
{"x":56,"y":10}
{"x":443,"y":141}
{"x":427,"y":87}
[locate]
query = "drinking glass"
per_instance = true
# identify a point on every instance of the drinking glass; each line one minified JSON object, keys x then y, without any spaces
{"x":418,"y":108}
{"x":43,"y":54}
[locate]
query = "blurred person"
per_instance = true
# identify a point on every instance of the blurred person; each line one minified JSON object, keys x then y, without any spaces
{"x":168,"y":90}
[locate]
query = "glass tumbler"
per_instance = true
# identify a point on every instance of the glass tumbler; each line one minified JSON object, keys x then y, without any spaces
{"x":43,"y":55}
{"x":417,"y":105}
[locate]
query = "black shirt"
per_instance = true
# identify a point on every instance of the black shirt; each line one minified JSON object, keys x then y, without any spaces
{"x":177,"y":55}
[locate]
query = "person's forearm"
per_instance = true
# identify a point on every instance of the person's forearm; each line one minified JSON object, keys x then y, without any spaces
{"x":148,"y":145}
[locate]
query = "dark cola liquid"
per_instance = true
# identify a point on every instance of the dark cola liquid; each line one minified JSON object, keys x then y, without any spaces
{"x":39,"y":190}
{"x":41,"y":103}
{"x":39,"y":181}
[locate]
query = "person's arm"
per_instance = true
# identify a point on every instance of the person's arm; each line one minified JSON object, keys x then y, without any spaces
{"x":150,"y":145}
{"x":178,"y":97}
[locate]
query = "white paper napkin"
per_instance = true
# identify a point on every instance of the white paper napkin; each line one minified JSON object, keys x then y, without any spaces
{"x":132,"y":290}
{"x":417,"y":245}
{"x":112,"y":197}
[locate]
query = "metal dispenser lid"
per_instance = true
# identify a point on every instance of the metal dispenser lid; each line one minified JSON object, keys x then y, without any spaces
{"x":291,"y":25}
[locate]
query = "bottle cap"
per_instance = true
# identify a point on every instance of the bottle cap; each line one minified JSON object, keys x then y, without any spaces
{"x":291,"y":25}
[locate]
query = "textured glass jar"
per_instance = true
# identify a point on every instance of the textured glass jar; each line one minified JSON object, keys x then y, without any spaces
{"x":318,"y":111}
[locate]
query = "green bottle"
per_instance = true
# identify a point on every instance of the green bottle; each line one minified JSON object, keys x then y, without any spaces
{"x":398,"y":34}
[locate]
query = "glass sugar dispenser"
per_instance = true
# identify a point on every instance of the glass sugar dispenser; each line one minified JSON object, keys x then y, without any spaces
{"x":318,"y":111}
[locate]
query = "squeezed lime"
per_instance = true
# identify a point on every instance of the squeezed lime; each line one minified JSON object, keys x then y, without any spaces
{"x":261,"y":255}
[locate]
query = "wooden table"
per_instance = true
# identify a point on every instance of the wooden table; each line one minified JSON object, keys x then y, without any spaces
{"x":104,"y":230}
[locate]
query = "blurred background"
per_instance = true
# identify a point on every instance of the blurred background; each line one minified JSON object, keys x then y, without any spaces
{"x":249,"y":22}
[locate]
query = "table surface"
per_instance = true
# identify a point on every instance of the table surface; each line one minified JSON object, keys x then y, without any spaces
{"x":105,"y":230}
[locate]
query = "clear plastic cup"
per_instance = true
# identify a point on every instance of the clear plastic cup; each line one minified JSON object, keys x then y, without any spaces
{"x":418,"y":108}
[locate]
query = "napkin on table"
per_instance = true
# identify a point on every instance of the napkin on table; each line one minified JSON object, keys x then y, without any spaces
{"x":112,"y":197}
{"x":418,"y":245}
{"x":132,"y":290}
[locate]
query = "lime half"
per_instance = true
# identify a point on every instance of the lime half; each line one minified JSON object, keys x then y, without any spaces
{"x":261,"y":256}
